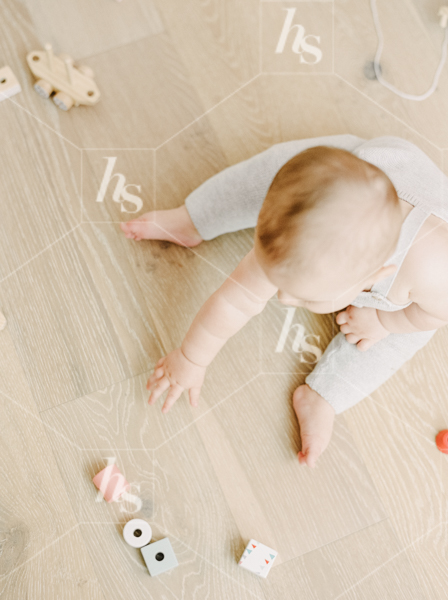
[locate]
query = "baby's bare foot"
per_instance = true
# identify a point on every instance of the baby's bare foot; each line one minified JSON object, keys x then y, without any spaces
{"x":315,"y":416}
{"x":173,"y":225}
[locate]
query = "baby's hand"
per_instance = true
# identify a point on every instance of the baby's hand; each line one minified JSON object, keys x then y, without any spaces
{"x":176,"y":372}
{"x":361,"y":326}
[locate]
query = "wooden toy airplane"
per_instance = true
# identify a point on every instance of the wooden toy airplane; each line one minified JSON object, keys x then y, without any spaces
{"x":57,"y":74}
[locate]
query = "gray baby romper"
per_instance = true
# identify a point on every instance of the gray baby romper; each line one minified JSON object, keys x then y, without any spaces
{"x":231,"y":200}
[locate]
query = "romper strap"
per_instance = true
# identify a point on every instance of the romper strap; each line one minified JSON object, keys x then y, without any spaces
{"x":409,"y":229}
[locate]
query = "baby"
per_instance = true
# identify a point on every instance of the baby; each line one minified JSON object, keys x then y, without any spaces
{"x":342,"y":224}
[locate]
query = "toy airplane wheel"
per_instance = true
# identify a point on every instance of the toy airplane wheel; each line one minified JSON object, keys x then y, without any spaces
{"x":63,"y":101}
{"x":43,"y":88}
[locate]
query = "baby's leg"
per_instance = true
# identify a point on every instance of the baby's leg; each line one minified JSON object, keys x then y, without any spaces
{"x":231,"y":200}
{"x":228,"y":201}
{"x":344,"y":375}
{"x":173,"y":225}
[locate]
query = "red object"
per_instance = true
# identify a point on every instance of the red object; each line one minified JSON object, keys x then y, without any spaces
{"x":111,"y":483}
{"x":442,"y":441}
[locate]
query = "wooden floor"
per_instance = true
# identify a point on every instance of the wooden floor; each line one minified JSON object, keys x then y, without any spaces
{"x":189,"y":88}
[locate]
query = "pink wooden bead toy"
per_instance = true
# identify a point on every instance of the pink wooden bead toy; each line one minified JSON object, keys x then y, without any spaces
{"x":111,"y":483}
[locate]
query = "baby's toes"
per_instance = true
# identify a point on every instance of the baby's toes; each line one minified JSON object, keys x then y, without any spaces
{"x":138,"y":229}
{"x":124,"y":228}
{"x":127,"y":229}
{"x":310,"y":452}
{"x":352,"y":338}
{"x":132,"y":226}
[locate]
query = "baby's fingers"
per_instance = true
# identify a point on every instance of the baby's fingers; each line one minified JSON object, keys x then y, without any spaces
{"x":162,"y":385}
{"x":174,"y":393}
{"x":158,"y":373}
{"x":194,"y":396}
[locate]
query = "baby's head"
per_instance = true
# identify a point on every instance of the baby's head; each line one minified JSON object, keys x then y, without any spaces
{"x":329,"y":222}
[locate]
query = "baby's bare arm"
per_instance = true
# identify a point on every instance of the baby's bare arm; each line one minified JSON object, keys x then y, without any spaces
{"x":243,"y":295}
{"x":428,"y":291}
{"x":426,"y":275}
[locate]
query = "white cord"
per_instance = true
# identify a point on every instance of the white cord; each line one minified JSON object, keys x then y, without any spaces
{"x":376,"y":61}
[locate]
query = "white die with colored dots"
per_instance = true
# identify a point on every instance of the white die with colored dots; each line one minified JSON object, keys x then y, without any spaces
{"x":258,"y":558}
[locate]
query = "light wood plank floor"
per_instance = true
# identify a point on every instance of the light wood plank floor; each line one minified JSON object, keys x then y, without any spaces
{"x":189,"y":88}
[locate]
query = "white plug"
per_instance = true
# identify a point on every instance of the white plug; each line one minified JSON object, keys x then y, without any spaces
{"x":443,"y":14}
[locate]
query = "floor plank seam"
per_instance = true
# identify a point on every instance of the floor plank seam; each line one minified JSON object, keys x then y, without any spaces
{"x":169,"y":533}
{"x":389,"y":113}
{"x":389,"y":560}
{"x":86,"y":395}
{"x":68,"y":495}
{"x":335,"y":541}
